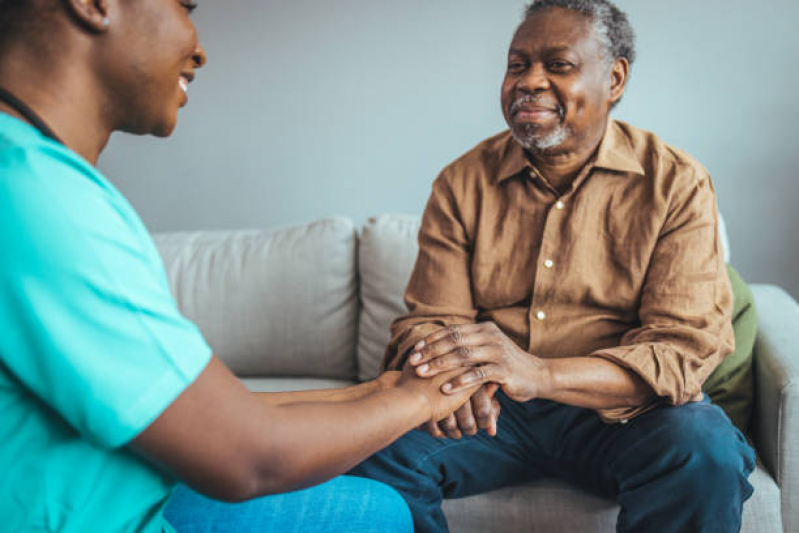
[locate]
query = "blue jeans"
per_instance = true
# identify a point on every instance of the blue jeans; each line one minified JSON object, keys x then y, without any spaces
{"x":344,"y":504}
{"x":672,"y":469}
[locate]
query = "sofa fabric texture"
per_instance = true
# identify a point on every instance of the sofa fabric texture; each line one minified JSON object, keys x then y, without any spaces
{"x":280,"y":302}
{"x":309,"y":307}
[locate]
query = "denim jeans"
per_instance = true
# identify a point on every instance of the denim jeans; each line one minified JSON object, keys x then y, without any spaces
{"x":672,"y":469}
{"x":345,"y":504}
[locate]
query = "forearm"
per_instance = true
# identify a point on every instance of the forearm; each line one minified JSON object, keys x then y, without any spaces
{"x":351,"y":432}
{"x":345,"y":394}
{"x":221,"y":440}
{"x":591,"y":383}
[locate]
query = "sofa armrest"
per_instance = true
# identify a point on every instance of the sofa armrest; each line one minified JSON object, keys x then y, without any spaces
{"x":775,"y":424}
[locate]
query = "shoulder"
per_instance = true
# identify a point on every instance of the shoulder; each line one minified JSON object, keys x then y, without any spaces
{"x":479,"y":166}
{"x":54,"y":207}
{"x":663,"y":163}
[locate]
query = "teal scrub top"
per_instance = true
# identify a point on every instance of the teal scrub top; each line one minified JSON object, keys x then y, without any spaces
{"x":92,"y":345}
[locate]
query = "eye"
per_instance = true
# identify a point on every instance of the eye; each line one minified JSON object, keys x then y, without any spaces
{"x":189,"y":6}
{"x":516,"y":67}
{"x":559,"y":66}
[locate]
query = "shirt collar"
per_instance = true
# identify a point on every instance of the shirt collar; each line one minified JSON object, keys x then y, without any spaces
{"x":615,"y":153}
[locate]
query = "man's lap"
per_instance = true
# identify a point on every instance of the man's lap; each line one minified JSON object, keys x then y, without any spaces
{"x":546,"y":439}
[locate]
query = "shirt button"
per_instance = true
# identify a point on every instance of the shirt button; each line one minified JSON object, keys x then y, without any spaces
{"x":549,"y":263}
{"x":559,"y":204}
{"x":540,"y":315}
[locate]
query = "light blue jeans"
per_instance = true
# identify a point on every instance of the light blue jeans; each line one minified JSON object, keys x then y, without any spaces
{"x":344,"y":504}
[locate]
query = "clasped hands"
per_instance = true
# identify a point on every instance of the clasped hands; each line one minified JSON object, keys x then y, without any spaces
{"x":493,"y":361}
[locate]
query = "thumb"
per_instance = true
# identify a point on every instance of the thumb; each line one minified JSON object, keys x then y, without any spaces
{"x":491,"y":388}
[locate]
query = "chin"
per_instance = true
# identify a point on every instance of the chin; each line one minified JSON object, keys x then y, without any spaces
{"x":165,"y":128}
{"x":535,"y":138}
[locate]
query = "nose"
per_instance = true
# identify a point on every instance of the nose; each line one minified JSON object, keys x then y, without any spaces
{"x":535,"y":79}
{"x":199,"y":57}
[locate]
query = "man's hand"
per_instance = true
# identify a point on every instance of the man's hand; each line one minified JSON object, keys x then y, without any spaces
{"x":481,"y":412}
{"x":490,"y":355}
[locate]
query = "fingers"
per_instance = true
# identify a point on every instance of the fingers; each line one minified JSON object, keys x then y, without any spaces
{"x":431,"y":427}
{"x":478,"y":375}
{"x":491,"y":389}
{"x":481,"y":412}
{"x":449,"y":340}
{"x":497,"y":408}
{"x":466,"y":420}
{"x":484,"y":411}
{"x":449,"y":426}
{"x":462,"y":356}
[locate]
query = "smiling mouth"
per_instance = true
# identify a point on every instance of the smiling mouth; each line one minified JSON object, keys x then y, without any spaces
{"x":530,"y":108}
{"x":184,"y":80}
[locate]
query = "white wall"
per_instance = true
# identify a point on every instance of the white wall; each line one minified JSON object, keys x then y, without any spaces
{"x":311,"y":108}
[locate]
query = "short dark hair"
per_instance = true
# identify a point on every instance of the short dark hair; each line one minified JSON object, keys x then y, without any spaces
{"x":11,"y":12}
{"x":610,"y":22}
{"x":18,"y":17}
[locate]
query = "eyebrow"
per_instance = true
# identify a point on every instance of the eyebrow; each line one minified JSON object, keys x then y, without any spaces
{"x":551,"y":50}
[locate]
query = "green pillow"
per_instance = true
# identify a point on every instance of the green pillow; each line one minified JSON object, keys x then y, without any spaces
{"x":731,"y":385}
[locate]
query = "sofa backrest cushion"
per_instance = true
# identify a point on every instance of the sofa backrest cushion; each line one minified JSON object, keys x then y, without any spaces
{"x":388,"y":251}
{"x":280,"y":302}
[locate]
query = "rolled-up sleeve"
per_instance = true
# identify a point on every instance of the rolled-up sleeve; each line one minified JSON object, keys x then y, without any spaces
{"x":686,"y":304}
{"x":439,"y":292}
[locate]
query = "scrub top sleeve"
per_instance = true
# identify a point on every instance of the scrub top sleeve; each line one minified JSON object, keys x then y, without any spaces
{"x":89,"y":324}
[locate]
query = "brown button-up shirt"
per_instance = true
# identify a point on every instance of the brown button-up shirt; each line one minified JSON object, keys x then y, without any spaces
{"x":625,"y":265}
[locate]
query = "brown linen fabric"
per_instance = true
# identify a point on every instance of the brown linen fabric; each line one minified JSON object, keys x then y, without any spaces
{"x":625,"y":265}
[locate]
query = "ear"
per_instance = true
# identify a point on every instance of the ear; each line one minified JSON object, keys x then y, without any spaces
{"x":619,"y":74}
{"x":92,"y":14}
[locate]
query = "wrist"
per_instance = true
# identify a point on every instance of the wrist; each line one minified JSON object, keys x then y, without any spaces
{"x":544,"y":379}
{"x":418,"y":402}
{"x":386,"y":380}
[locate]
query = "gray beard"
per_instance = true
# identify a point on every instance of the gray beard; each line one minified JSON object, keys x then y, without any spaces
{"x":529,"y":136}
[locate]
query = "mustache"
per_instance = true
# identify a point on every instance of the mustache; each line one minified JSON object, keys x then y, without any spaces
{"x":534,"y":99}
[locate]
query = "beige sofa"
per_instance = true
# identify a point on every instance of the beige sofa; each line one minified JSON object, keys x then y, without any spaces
{"x":309,"y":306}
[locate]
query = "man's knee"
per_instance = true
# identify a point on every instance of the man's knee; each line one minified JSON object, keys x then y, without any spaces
{"x":705,"y":450}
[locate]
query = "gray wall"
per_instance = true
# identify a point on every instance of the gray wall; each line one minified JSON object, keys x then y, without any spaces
{"x":311,"y":108}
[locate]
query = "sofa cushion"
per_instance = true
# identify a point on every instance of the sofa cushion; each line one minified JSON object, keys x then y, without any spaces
{"x":294,"y":384}
{"x":731,"y":385}
{"x":388,"y":249}
{"x":552,"y":506}
{"x":279,"y":302}
{"x":387,"y":253}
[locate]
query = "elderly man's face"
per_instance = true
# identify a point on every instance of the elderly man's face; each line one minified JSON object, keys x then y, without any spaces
{"x":557,"y":91}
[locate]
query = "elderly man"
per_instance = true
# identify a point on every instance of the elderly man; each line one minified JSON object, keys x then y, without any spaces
{"x":574,"y":263}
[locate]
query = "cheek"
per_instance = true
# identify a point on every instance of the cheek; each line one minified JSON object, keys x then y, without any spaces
{"x":506,"y":96}
{"x":505,"y":92}
{"x":578,"y":100}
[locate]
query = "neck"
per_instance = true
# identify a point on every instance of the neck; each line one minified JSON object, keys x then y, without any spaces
{"x":562,"y":168}
{"x":62,"y":96}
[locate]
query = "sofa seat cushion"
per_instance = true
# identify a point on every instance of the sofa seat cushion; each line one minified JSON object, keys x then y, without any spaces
{"x":552,"y":506}
{"x":279,"y":302}
{"x":293,"y":384}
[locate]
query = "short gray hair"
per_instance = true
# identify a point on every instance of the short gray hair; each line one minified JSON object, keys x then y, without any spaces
{"x":610,"y":22}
